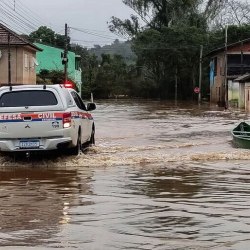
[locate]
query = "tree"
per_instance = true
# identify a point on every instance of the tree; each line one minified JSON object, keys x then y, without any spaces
{"x":89,"y":74}
{"x":164,"y":53}
{"x":216,"y":38}
{"x":118,"y":48}
{"x":44,"y":35}
{"x":51,"y":77}
{"x":48,"y":36}
{"x":157,"y":14}
{"x":110,"y":78}
{"x":233,"y":12}
{"x":169,"y":43}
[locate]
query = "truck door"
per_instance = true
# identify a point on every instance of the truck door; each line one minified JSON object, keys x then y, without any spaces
{"x":84,"y":121}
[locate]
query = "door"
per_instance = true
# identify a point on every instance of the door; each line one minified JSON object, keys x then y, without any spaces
{"x":83,"y":118}
{"x":247,"y":99}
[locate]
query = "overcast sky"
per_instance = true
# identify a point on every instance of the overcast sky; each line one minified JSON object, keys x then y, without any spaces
{"x":92,"y":15}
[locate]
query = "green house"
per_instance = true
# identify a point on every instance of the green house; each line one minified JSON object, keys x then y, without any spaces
{"x":50,"y":58}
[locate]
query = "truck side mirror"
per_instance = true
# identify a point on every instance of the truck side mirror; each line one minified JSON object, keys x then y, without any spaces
{"x":91,"y":106}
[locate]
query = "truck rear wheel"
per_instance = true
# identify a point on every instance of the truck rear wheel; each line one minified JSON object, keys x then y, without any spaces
{"x":92,"y":138}
{"x":76,"y":150}
{"x":91,"y":141}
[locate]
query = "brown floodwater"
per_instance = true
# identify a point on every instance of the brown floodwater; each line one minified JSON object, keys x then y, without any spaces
{"x":161,"y":176}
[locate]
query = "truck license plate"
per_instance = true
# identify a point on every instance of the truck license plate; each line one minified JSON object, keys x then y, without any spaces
{"x":29,"y":144}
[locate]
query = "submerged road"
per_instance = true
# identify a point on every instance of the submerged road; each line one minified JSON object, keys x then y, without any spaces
{"x":160,"y":177}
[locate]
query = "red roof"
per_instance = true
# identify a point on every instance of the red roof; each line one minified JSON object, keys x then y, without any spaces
{"x":229,"y":46}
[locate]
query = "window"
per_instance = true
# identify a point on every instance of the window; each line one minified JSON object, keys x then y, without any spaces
{"x":78,"y":62}
{"x":34,"y":62}
{"x":78,"y":101}
{"x":234,"y":59}
{"x":246,"y":59}
{"x":26,"y":61}
{"x":28,"y":98}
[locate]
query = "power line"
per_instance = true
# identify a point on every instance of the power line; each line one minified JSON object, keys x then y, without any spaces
{"x":7,"y":25}
{"x":18,"y":17}
{"x":16,"y":10}
{"x":10,"y":19}
{"x":96,"y":41}
{"x":92,"y":33}
{"x":24,"y":9}
{"x":17,"y":22}
{"x":33,"y":15}
{"x":22,"y":19}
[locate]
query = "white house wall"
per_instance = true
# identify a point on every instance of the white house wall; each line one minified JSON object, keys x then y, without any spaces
{"x":242,"y":95}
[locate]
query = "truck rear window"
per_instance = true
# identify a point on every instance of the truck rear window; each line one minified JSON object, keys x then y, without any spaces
{"x":26,"y":98}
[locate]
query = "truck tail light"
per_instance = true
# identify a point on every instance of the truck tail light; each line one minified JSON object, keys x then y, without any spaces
{"x":66,"y":120}
{"x":69,"y":84}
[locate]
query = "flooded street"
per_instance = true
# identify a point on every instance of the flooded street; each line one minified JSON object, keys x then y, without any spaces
{"x":160,"y":177}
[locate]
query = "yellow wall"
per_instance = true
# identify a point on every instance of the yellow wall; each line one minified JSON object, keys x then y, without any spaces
{"x":20,"y":73}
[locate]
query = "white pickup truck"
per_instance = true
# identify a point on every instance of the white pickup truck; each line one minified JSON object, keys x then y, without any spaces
{"x":44,"y":117}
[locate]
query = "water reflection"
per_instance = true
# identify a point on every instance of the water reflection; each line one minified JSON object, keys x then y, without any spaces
{"x":177,"y":182}
{"x":35,"y":202}
{"x":162,"y":210}
{"x":193,"y":206}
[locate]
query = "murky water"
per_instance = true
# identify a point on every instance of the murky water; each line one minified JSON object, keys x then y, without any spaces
{"x":160,"y":177}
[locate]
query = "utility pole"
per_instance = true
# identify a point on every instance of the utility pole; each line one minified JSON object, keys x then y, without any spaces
{"x":65,"y":56}
{"x":225,"y":73}
{"x":241,"y":59}
{"x":200,"y":74}
{"x":176,"y":85}
{"x":9,"y":61}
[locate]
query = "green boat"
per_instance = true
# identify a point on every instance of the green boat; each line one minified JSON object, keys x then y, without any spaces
{"x":241,"y":135}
